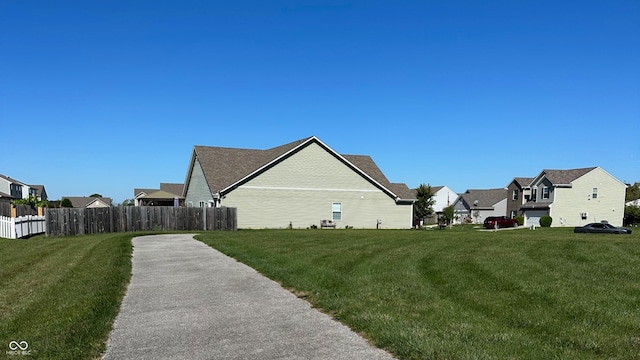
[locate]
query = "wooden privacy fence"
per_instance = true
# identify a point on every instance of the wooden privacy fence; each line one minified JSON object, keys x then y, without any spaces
{"x":21,"y":226}
{"x":21,"y":210}
{"x":81,"y":221}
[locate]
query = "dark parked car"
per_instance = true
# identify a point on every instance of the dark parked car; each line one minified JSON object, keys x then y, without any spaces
{"x":601,"y":228}
{"x":493,"y":222}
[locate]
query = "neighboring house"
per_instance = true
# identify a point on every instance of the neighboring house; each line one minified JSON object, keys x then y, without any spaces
{"x":88,"y":202}
{"x":12,"y":189}
{"x":575,"y":197}
{"x":169,"y":194}
{"x":39,"y":192}
{"x":518,"y":193}
{"x":297,"y":184}
{"x":443,"y":196}
{"x":475,"y":205}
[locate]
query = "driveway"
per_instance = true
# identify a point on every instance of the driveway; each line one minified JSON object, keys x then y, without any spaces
{"x":189,"y":301}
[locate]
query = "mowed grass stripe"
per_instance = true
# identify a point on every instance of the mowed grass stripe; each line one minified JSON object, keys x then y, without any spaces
{"x":462,"y":294}
{"x":61,"y":295}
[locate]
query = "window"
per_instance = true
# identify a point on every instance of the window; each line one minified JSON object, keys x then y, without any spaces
{"x":545,"y":192}
{"x":202,"y":203}
{"x":515,"y":194}
{"x":595,"y":193}
{"x":534,"y":194}
{"x":336,"y":209}
{"x":514,"y":213}
{"x":189,"y":203}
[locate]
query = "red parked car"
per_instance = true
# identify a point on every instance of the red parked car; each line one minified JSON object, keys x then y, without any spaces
{"x":501,"y":221}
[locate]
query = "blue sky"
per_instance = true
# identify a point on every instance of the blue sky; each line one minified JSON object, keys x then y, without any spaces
{"x":108,"y":96}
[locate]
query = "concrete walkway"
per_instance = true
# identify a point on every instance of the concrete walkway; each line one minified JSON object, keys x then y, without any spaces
{"x":189,"y":301}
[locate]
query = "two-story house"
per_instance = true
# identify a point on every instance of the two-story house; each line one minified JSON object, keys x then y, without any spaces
{"x":12,"y":189}
{"x":518,"y":193}
{"x":572,"y":197}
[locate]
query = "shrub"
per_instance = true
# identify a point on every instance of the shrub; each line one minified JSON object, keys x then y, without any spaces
{"x":545,"y":221}
{"x":520,"y":220}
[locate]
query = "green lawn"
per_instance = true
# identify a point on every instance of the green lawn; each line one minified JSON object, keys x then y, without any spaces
{"x":461,"y":293}
{"x":439,"y":294}
{"x":61,"y":295}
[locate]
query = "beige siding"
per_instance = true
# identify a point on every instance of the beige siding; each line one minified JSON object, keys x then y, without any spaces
{"x":571,"y":202}
{"x":301,"y":190}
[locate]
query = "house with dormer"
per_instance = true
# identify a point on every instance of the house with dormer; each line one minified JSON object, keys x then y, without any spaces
{"x":299,"y":184}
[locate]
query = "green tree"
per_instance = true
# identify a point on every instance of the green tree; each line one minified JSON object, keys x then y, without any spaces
{"x":424,"y":204}
{"x":632,"y":215}
{"x":127,"y":202}
{"x":448,"y":215}
{"x":95,"y":195}
{"x":633,"y":192}
{"x":66,"y":203}
{"x":31,"y":200}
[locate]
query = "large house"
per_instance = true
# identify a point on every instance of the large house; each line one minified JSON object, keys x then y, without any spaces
{"x":475,"y":205}
{"x":300,"y":184}
{"x":517,"y":191}
{"x":12,"y":189}
{"x":572,"y":197}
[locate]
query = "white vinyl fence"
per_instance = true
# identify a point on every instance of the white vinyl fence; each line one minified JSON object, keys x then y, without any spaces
{"x":22,"y":226}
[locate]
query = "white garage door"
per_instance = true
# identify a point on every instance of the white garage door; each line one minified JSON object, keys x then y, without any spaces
{"x":533,"y":217}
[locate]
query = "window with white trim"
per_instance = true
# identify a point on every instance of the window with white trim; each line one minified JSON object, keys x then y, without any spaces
{"x":594,"y":194}
{"x":545,"y":192}
{"x":202,"y":203}
{"x":336,"y":209}
{"x":515,"y":194}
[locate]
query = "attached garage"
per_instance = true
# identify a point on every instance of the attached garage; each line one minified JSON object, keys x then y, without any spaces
{"x":532,"y":217}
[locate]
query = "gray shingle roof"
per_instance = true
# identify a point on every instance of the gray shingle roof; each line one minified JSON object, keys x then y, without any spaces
{"x":12,"y":180}
{"x":224,"y":167}
{"x":486,"y":198}
{"x":172,"y":188}
{"x":161,"y":194}
{"x":564,"y":177}
{"x":136,"y":192}
{"x":83,"y":201}
{"x":523,"y":181}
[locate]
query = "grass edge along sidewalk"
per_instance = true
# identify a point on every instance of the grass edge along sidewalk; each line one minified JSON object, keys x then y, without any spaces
{"x":60,"y":296}
{"x":462,"y":294}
